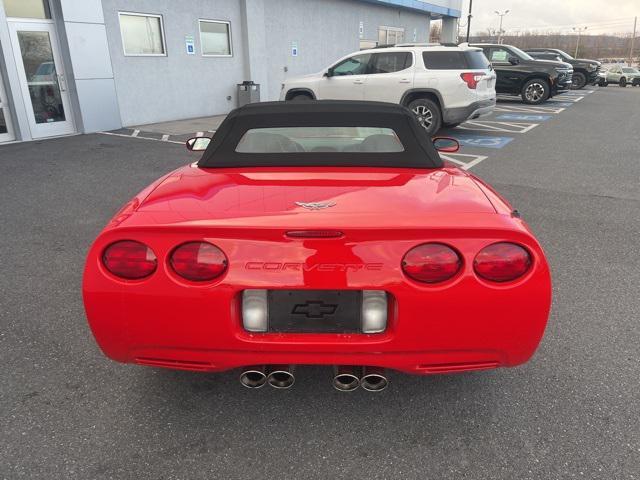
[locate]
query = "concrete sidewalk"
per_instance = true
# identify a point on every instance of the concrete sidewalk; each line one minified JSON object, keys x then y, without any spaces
{"x":183,"y":127}
{"x":177,"y":131}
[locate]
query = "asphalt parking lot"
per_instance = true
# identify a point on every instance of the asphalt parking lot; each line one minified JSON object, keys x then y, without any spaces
{"x":572,"y":412}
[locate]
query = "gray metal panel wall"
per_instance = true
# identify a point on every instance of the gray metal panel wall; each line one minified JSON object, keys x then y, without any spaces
{"x":177,"y":86}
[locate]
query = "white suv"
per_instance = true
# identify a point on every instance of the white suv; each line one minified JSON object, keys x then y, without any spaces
{"x":442,"y":85}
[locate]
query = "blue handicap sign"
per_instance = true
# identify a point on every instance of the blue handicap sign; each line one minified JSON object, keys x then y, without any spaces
{"x":482,"y":141}
{"x":530,"y":118}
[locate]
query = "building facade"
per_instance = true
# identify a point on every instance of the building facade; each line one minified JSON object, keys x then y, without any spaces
{"x":81,"y":66}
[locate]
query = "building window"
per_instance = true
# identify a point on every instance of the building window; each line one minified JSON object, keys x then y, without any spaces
{"x":390,"y":35}
{"x":142,"y":34}
{"x":367,"y":44}
{"x":27,"y":8}
{"x":215,"y":38}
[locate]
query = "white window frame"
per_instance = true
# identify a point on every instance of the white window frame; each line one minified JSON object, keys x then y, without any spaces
{"x":391,"y":29}
{"x":139,"y":14}
{"x":228,"y":23}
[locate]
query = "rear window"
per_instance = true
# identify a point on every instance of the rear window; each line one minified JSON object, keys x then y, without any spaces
{"x":456,"y":60}
{"x":390,"y":62}
{"x":476,"y":60}
{"x":319,"y":139}
{"x":444,"y":60}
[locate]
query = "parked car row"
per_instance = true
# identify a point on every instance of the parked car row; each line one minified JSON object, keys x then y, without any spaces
{"x":445,"y":85}
{"x":619,"y":74}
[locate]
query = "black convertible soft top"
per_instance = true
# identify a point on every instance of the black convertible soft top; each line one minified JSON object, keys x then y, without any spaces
{"x":419,"y":151}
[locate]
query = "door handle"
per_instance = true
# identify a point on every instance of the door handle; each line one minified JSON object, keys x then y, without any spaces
{"x":405,"y":80}
{"x":358,"y":82}
{"x":61,"y":82}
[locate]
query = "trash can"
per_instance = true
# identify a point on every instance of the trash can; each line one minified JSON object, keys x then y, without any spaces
{"x":248,"y":92}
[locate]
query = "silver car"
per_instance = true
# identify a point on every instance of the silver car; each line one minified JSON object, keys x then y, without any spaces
{"x":623,"y":76}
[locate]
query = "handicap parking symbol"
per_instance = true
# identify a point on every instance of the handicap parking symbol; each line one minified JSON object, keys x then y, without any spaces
{"x":482,"y":141}
{"x":557,"y":103}
{"x":527,"y":118}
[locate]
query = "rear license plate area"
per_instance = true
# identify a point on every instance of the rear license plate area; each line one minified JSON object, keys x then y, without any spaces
{"x":315,"y":311}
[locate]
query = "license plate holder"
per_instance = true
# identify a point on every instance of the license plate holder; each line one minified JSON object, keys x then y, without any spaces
{"x":315,"y":311}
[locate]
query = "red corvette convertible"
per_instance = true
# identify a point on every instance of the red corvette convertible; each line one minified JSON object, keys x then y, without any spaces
{"x":326,"y":233}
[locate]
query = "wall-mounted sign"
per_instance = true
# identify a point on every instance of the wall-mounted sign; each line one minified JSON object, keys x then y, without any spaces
{"x":190,"y":44}
{"x":361,"y":30}
{"x":294,"y":49}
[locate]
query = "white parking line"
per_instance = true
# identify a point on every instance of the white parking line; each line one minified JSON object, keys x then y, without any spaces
{"x":466,"y":165}
{"x":139,"y":138}
{"x":135,"y":133}
{"x":565,"y":98}
{"x":492,"y":126}
{"x":527,"y":109}
{"x":165,"y":138}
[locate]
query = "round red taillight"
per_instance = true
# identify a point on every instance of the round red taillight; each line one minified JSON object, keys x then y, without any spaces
{"x":198,"y":261}
{"x":502,"y":262}
{"x":431,"y":263}
{"x":130,"y":259}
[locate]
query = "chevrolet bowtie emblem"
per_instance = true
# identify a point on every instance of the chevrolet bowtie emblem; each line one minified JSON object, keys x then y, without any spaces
{"x":315,"y":205}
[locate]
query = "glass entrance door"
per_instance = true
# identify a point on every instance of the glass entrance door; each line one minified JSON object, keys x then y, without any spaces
{"x":6,"y":132}
{"x":42,"y":78}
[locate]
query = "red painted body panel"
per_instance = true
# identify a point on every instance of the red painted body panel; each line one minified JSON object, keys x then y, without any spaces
{"x":462,"y":324}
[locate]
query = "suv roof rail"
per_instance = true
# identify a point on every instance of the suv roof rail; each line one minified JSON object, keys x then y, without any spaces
{"x":413,"y":44}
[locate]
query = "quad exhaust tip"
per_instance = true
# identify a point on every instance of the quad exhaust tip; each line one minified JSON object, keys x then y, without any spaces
{"x":253,"y":377}
{"x":281,"y":377}
{"x":374,"y":379}
{"x":346,"y":378}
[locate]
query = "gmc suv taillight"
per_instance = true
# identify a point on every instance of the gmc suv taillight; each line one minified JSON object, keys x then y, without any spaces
{"x":471,"y":79}
{"x":431,"y":263}
{"x":502,"y":262}
{"x":130,"y":260}
{"x":198,"y":261}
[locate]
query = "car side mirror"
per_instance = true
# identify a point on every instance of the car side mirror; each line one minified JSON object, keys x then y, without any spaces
{"x":329,"y":73}
{"x":197,"y":144}
{"x":514,"y":60}
{"x":446,"y":144}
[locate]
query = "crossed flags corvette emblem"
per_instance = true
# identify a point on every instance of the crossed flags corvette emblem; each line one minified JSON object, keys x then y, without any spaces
{"x":315,"y":205}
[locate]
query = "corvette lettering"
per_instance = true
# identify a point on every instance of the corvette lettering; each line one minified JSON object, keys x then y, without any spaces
{"x":316,"y":267}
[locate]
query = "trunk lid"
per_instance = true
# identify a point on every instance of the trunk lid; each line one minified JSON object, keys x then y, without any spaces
{"x":374,"y":198}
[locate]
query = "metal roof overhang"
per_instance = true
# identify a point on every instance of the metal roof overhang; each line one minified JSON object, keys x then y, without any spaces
{"x":419,"y":6}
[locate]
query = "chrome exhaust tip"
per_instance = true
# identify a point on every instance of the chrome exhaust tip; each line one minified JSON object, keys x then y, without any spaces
{"x":253,"y":377}
{"x":346,"y":379}
{"x":374,"y":379}
{"x":281,"y":377}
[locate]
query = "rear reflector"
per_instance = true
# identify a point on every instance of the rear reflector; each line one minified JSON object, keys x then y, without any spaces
{"x":130,"y":260}
{"x":502,"y":262}
{"x":198,"y":261}
{"x":255,"y":310}
{"x":314,"y":234}
{"x":431,"y":263}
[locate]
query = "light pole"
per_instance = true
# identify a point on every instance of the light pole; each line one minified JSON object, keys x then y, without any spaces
{"x":579,"y":30}
{"x":501,"y":15}
{"x":469,"y":20}
{"x":633,"y":39}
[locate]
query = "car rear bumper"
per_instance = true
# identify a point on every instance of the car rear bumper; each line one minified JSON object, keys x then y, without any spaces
{"x":464,"y":324}
{"x":475,"y":110}
{"x":420,"y":362}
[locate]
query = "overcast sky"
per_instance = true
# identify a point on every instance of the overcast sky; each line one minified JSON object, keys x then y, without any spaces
{"x":599,"y":16}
